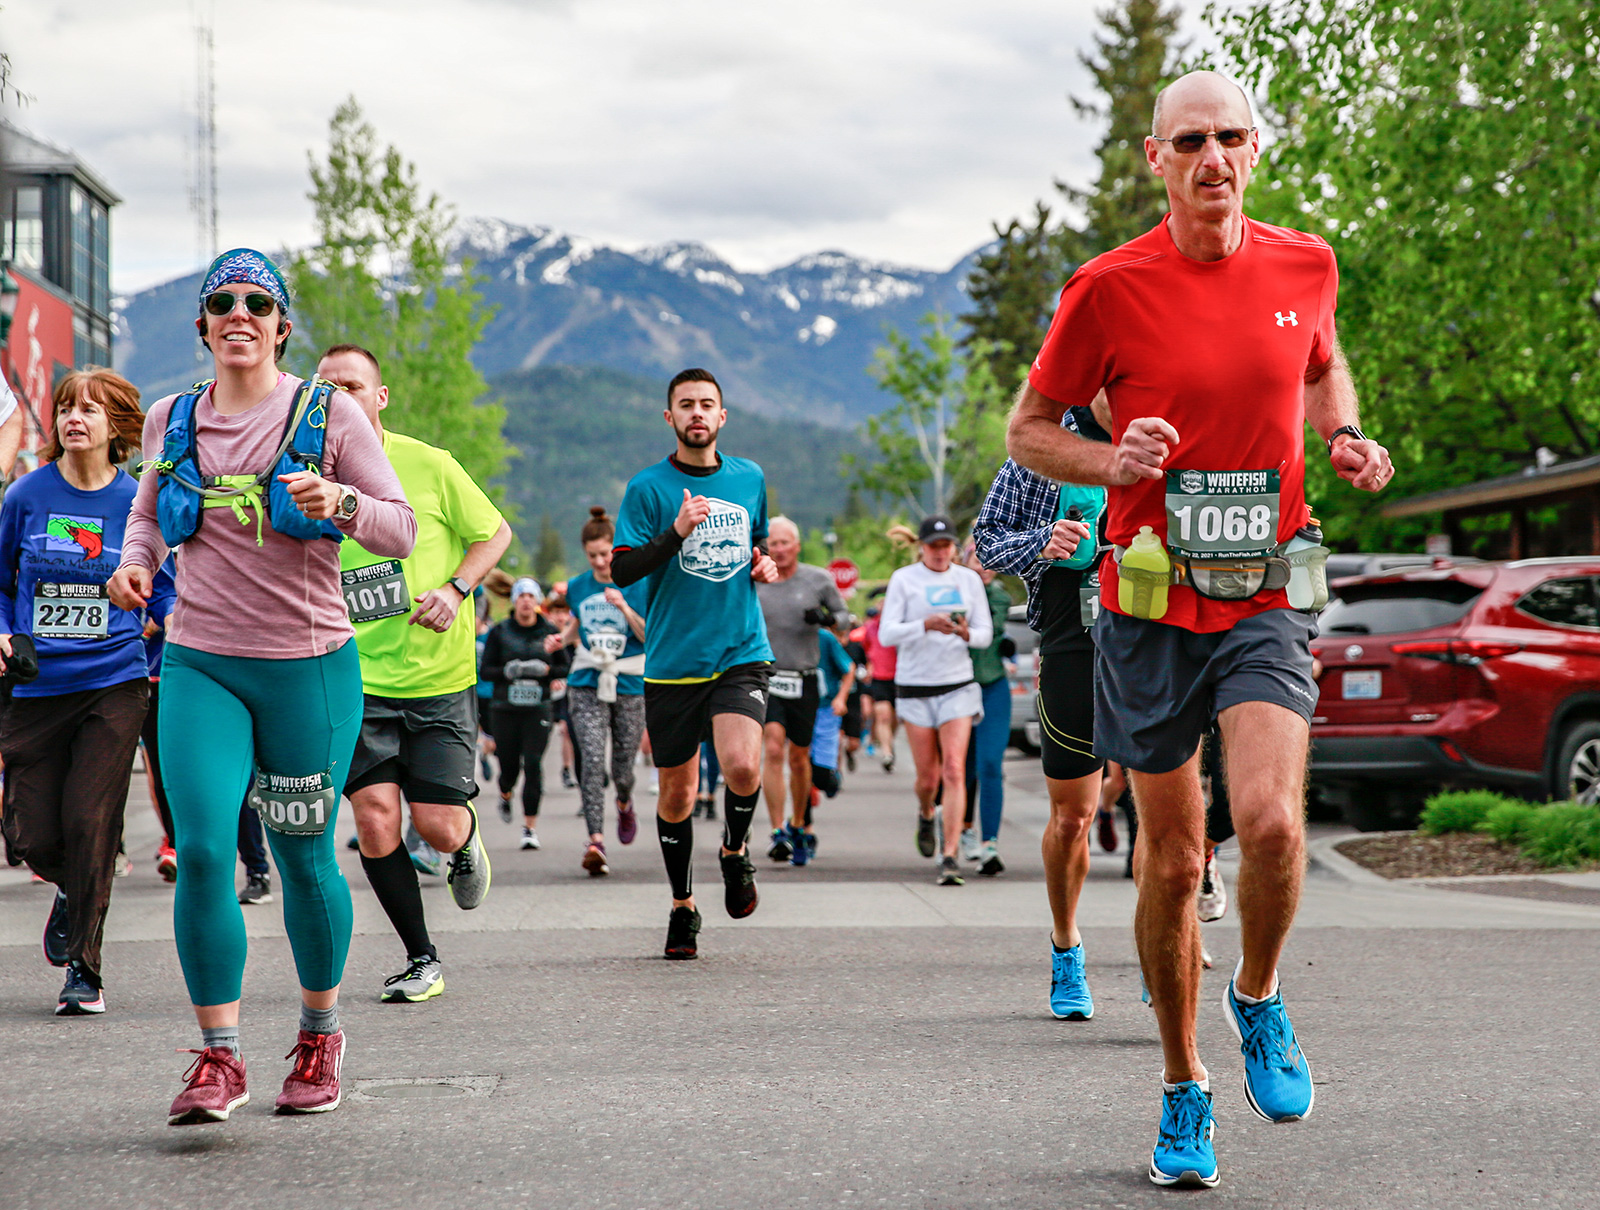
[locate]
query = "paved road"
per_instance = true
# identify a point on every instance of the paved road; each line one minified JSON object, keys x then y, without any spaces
{"x":867,"y":1038}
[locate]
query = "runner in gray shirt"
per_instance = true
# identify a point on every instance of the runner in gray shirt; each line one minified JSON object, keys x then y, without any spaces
{"x":802,"y":599}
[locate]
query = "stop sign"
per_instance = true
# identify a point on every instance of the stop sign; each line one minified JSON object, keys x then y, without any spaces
{"x":845,"y":575}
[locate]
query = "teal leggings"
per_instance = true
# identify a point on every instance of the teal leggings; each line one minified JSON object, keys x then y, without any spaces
{"x":219,"y":715}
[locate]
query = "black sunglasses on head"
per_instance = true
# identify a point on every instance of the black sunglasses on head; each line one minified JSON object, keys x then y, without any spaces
{"x":1188,"y":144}
{"x":222,"y":302}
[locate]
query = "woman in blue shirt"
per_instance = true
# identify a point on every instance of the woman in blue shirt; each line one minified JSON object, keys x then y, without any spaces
{"x":69,"y":736}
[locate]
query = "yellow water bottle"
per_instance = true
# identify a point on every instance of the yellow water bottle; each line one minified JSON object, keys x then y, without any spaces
{"x":1143,"y":576}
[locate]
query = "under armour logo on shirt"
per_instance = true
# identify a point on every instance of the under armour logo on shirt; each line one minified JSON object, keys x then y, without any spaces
{"x":1286,"y":319}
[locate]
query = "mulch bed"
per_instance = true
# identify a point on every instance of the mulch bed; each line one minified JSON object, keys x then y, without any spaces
{"x":1453,"y":855}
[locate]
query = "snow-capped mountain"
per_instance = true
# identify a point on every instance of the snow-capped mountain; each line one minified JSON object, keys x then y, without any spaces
{"x":796,"y":340}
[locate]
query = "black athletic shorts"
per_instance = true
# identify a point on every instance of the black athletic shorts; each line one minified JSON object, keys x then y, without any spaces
{"x":1066,"y":714}
{"x":851,"y":723}
{"x":1158,"y":687}
{"x":678,"y":717}
{"x":796,"y":715}
{"x":881,"y":691}
{"x":428,"y":746}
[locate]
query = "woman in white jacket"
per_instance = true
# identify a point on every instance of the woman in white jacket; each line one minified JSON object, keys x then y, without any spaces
{"x":935,"y":612}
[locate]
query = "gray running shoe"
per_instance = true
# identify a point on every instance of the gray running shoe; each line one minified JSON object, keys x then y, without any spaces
{"x":971,"y":846}
{"x":950,"y":873}
{"x":257,"y":889}
{"x":423,"y":855}
{"x":1211,"y":900}
{"x":469,"y":869}
{"x":423,"y":979}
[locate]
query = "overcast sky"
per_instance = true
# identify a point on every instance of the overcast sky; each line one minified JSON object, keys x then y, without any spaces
{"x":894,"y":129}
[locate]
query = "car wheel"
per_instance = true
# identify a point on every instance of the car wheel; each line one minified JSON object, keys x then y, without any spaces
{"x":1577,"y":772}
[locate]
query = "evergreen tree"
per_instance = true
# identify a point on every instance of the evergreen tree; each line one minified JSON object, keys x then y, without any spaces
{"x":378,"y":276}
{"x":551,"y":557}
{"x":1135,"y":56}
{"x":1012,"y":286}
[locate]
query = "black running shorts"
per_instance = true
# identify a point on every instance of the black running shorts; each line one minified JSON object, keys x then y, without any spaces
{"x":428,"y":746}
{"x":1158,"y":687}
{"x":678,"y":717}
{"x":1066,"y":714}
{"x":796,"y":715}
{"x":881,"y":691}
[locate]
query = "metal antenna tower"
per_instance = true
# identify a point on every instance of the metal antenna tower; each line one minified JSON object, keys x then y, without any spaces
{"x":203,"y":188}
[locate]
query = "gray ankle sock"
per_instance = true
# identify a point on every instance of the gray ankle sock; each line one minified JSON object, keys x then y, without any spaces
{"x":320,"y":1020}
{"x":224,"y":1036}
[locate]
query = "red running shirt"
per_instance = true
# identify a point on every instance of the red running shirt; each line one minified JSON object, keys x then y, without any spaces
{"x":1221,"y":350}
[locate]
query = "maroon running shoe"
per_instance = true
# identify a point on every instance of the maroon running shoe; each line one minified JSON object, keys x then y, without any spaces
{"x":216,"y":1088}
{"x":313,"y":1085}
{"x":594,"y":860}
{"x":1108,"y":832}
{"x":627,"y":824}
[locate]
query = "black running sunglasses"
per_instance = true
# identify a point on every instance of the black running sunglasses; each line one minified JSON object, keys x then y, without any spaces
{"x":222,"y":302}
{"x":1188,"y":144}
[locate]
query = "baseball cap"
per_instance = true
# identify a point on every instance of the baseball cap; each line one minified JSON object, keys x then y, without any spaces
{"x":935,"y":527}
{"x":527,"y":584}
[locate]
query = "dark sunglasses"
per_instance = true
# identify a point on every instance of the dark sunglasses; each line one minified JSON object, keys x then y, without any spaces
{"x":224,"y":301}
{"x":1188,"y":144}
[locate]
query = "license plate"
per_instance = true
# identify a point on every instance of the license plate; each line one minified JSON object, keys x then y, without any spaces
{"x":1363,"y":686}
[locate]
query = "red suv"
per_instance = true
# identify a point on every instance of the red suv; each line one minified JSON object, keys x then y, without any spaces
{"x":1483,"y":674}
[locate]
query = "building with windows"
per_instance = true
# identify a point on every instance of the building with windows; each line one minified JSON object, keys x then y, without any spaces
{"x":55,"y":225}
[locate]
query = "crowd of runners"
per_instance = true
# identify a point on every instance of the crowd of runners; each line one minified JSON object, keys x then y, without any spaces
{"x":287,"y":609}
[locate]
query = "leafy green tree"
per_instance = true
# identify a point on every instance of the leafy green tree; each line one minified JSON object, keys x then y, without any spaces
{"x":937,"y":448}
{"x":379,"y":277}
{"x":1447,"y":151}
{"x":550,"y":559}
{"x":1012,"y":285}
{"x":1136,"y":54}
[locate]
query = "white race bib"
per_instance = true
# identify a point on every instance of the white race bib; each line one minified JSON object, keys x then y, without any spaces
{"x":71,"y":611}
{"x":787,"y":685}
{"x":525,"y":693}
{"x":605,"y":641}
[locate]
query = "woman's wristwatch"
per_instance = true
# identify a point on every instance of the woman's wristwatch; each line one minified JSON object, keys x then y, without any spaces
{"x":348,"y":501}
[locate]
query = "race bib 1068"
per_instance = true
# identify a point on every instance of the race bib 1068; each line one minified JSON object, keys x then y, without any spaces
{"x":1222,"y":514}
{"x":376,"y":592}
{"x":71,"y":611}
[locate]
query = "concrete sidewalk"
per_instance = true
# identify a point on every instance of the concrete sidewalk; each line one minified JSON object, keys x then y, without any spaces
{"x":867,"y":1038}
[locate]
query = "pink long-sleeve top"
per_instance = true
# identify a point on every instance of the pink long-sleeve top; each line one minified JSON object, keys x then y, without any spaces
{"x":279,"y":600}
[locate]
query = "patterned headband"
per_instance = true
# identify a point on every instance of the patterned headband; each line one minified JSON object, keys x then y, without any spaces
{"x":246,"y":265}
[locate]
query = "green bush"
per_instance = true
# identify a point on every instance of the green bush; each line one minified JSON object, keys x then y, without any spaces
{"x":1459,"y":810}
{"x":1563,"y":834}
{"x":1508,"y":821}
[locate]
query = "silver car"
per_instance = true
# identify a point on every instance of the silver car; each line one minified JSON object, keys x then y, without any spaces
{"x":1021,"y":672}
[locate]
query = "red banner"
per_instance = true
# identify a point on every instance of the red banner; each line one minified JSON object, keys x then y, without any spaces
{"x":38,"y":351}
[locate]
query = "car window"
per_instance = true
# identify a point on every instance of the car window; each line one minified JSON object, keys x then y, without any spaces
{"x":1569,"y":602}
{"x":1396,"y":608}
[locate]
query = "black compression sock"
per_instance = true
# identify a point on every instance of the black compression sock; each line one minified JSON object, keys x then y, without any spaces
{"x":737,"y":809}
{"x":677,"y":850}
{"x":394,"y":882}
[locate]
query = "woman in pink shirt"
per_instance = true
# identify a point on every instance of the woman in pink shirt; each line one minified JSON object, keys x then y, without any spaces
{"x":261,"y":686}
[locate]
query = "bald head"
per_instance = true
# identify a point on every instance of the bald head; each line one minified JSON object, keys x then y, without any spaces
{"x":1207,"y":88}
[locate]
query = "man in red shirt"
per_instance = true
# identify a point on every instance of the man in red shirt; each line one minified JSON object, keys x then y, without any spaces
{"x":1212,"y":337}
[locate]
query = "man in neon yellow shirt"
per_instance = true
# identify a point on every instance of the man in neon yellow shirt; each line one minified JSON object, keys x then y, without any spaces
{"x":419,"y":728}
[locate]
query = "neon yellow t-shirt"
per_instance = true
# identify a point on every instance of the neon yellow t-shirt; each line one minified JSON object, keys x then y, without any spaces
{"x":398,"y":659}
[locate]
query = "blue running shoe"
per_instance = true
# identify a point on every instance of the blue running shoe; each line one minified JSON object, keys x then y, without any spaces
{"x":1277,"y":1078}
{"x":1144,"y":990}
{"x":1183,"y":1154}
{"x":800,"y":851}
{"x":1069,"y":985}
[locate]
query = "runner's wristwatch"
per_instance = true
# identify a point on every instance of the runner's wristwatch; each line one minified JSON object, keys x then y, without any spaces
{"x":347,"y":503}
{"x":461,"y":586}
{"x":1352,"y":430}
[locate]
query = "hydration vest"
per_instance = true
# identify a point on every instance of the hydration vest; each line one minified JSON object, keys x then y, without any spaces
{"x":184,"y":493}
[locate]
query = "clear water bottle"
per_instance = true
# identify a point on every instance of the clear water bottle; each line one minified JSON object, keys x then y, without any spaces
{"x":1308,"y":568}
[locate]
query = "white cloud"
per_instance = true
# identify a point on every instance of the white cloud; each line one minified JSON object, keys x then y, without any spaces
{"x":891,"y":128}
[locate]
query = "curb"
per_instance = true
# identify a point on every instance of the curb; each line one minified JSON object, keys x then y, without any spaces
{"x":1323,"y":855}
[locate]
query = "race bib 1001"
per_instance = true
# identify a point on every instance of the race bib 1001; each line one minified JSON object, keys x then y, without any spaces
{"x":71,"y":611}
{"x":294,"y":806}
{"x":376,"y":592}
{"x":1222,"y":514}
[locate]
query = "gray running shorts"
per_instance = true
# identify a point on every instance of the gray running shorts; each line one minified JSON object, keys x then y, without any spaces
{"x":428,"y":746}
{"x":1158,"y":687}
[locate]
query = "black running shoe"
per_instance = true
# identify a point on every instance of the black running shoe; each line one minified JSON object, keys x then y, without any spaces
{"x":925,"y":836}
{"x":682,"y":926}
{"x":739,"y":884}
{"x":55,"y":931}
{"x":950,"y":873}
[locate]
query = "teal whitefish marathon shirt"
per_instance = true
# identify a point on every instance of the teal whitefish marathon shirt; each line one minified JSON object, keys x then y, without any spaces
{"x":598,"y":616}
{"x":704,"y":616}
